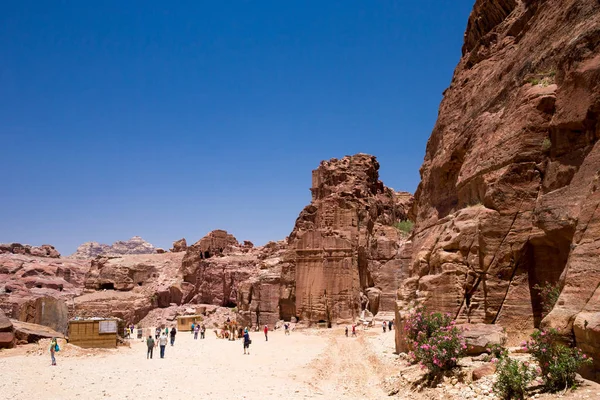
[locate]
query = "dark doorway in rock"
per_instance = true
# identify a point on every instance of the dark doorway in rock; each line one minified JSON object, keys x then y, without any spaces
{"x":140,"y":283}
{"x":107,"y":286}
{"x":39,"y":286}
{"x":546,"y":258}
{"x":206,"y":254}
{"x":229,"y":303}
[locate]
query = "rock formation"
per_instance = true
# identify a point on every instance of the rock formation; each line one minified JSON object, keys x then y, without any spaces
{"x":35,"y":289}
{"x":7,"y":336}
{"x":129,"y":286}
{"x":44,"y":250}
{"x":343,"y":244}
{"x":135,"y":245}
{"x":179,"y":245}
{"x":509,"y":191}
{"x":216,"y":265}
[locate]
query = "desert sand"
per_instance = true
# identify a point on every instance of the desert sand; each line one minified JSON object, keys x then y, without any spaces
{"x":306,"y":364}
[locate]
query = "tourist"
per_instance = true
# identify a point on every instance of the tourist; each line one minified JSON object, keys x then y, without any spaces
{"x":353,"y":329}
{"x":390,"y":324}
{"x":202,"y":331}
{"x":384,"y":326}
{"x":346,"y":330}
{"x":53,"y":349}
{"x":196,"y":330}
{"x":163,"y":343}
{"x":167,"y":331}
{"x":266,"y":333}
{"x":150,"y":344}
{"x":287,"y":328}
{"x":192,"y":328}
{"x":173,"y":333}
{"x":157,"y":333}
{"x":247,"y":341}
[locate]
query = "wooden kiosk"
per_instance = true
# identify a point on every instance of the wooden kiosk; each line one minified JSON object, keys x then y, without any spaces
{"x":184,"y":322}
{"x":93,"y":333}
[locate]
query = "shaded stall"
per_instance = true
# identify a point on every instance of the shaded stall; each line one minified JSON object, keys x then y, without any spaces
{"x":184,"y":322}
{"x":97,"y":333}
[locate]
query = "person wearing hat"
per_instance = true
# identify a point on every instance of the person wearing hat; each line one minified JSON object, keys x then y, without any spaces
{"x":247,"y":341}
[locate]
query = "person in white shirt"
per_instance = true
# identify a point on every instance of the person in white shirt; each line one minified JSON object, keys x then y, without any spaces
{"x":163,"y":344}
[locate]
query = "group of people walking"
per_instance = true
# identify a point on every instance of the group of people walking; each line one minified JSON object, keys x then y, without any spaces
{"x":196,"y":328}
{"x":160,"y":340}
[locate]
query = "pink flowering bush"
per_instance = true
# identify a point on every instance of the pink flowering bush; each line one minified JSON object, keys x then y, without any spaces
{"x":513,"y":377}
{"x":436,"y":342}
{"x":558,"y":363}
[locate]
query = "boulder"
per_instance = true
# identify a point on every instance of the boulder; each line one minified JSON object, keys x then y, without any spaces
{"x":485,"y":370}
{"x":7,"y":340}
{"x":32,"y":332}
{"x":479,"y":337}
{"x":5,"y":324}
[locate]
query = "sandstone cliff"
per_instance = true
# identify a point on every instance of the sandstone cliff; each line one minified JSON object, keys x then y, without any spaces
{"x":135,"y":245}
{"x":342,"y":255}
{"x":508,"y":197}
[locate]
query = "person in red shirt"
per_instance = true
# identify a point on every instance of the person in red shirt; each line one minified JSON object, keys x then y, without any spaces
{"x":353,"y":329}
{"x":266,"y":330}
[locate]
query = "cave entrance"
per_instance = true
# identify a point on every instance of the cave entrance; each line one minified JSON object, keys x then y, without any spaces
{"x":546,"y":258}
{"x":107,"y":286}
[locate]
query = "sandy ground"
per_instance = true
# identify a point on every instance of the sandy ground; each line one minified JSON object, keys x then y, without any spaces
{"x":304,"y":365}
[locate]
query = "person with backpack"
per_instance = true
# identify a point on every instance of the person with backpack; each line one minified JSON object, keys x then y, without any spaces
{"x":150,"y":344}
{"x":53,"y":349}
{"x":173,"y":333}
{"x":247,"y":341}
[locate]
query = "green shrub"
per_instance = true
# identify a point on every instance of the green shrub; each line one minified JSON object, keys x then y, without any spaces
{"x":546,"y":144}
{"x":436,"y":342}
{"x":549,"y":294}
{"x":558,"y":363}
{"x":404,"y":226}
{"x":496,"y":352}
{"x":513,"y":377}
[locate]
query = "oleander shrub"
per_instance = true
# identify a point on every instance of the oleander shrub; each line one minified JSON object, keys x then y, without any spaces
{"x":558,"y":362}
{"x":512,"y":379}
{"x":496,"y":352}
{"x":436,"y":342}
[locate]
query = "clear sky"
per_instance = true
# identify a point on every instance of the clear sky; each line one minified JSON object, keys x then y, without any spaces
{"x":171,"y":119}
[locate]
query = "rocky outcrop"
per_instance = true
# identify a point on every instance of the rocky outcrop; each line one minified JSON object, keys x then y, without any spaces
{"x":135,"y":245}
{"x":179,"y":245}
{"x":148,"y":281}
{"x":216,"y":265}
{"x":7,"y":336}
{"x":44,"y":250}
{"x":508,"y":196}
{"x":35,"y":289}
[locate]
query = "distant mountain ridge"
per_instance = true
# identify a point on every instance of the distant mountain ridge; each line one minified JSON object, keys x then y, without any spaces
{"x":135,"y":245}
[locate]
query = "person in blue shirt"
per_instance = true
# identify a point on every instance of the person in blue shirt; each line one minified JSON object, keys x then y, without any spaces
{"x":247,"y":341}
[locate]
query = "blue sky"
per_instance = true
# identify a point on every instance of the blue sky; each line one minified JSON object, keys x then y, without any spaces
{"x":171,"y":119}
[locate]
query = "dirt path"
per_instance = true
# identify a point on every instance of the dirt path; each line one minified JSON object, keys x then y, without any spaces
{"x":304,"y":365}
{"x":347,"y":368}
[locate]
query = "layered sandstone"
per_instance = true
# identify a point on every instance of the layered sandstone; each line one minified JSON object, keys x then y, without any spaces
{"x":135,"y":245}
{"x":508,"y":197}
{"x":37,"y":289}
{"x":129,"y":286}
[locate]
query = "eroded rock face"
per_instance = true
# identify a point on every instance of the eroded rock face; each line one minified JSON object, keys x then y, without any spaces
{"x":135,"y":245}
{"x":216,"y":265}
{"x":34,"y":289}
{"x":129,"y":286}
{"x":508,"y":197}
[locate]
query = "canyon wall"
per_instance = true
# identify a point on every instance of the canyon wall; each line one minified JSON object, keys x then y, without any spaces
{"x":508,"y":197}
